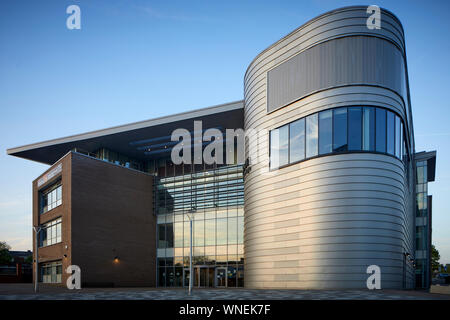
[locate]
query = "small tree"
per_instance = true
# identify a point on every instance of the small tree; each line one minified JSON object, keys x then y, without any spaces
{"x":435,"y":256}
{"x":29,"y":259}
{"x":5,"y":257}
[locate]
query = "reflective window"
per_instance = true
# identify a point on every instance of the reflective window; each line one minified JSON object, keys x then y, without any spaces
{"x":186,"y":234}
{"x":325,"y":131}
{"x":50,"y":198}
{"x":340,"y":129}
{"x":50,"y":233}
{"x":421,"y":202}
{"x":369,"y":129}
{"x":231,"y":276}
{"x":162,"y":243}
{"x":279,"y":154}
{"x":390,"y":132}
{"x":214,"y":199}
{"x":214,"y":188}
{"x":420,"y":235}
{"x":421,"y":174}
{"x":51,"y":272}
{"x":297,"y":140}
{"x":199,"y":233}
{"x":354,"y":128}
{"x":178,"y":234}
{"x":402,"y":141}
{"x":397,"y":137}
{"x":221,"y":231}
{"x":312,"y":134}
{"x":232,"y":231}
{"x":380,"y":130}
{"x":240,"y":230}
{"x":210,"y":232}
{"x":169,"y":235}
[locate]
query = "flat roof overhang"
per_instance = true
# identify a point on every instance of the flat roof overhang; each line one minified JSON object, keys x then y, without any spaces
{"x":130,"y":139}
{"x":430,"y":157}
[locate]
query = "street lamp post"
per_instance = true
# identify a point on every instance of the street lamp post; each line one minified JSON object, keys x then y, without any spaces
{"x":190,"y":216}
{"x":36,"y":262}
{"x":190,"y":256}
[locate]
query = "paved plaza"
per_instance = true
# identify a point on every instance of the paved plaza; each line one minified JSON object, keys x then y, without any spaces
{"x":25,"y":292}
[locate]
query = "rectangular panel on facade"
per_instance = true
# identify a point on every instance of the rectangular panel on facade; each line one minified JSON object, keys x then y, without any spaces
{"x":334,"y":63}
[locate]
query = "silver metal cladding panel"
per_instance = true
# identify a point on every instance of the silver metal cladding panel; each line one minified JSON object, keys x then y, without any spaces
{"x":338,"y":62}
{"x":320,"y":223}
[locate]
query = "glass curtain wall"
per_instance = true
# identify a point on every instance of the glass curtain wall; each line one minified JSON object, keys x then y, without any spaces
{"x":214,"y":198}
{"x":422,"y":218}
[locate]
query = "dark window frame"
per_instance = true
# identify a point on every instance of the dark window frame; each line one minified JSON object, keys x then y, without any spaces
{"x":44,"y":192}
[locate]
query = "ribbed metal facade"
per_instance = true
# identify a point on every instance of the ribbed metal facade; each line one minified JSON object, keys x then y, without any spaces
{"x":338,"y":62}
{"x":321,"y":222}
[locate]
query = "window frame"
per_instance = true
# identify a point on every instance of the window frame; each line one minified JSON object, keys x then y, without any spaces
{"x":52,"y":224}
{"x":48,"y":190}
{"x":348,"y":151}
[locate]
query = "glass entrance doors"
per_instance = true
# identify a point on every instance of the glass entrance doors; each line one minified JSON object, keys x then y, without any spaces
{"x":221,"y":277}
{"x":205,"y":277}
{"x":186,"y":276}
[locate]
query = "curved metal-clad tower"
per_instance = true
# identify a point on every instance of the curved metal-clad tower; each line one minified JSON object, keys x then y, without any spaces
{"x":320,"y":222}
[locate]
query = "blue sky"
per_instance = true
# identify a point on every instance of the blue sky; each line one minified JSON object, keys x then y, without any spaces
{"x":136,"y":60}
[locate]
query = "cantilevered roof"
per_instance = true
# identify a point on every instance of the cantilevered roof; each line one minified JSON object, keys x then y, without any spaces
{"x":134,"y":139}
{"x":430,"y":158}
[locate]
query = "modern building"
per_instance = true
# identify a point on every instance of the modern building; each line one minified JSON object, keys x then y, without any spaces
{"x":325,"y":189}
{"x":425,"y":172}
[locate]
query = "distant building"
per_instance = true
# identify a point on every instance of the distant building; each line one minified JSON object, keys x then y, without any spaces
{"x":17,"y":271}
{"x":20,"y":256}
